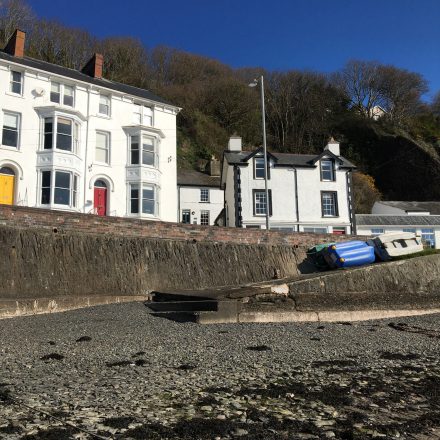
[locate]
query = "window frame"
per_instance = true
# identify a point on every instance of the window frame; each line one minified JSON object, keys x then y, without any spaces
{"x":107,"y":148}
{"x":140,"y":150}
{"x":334,"y":194}
{"x":142,"y":116}
{"x":202,"y":198}
{"x":256,"y":161}
{"x":75,"y":134}
{"x":377,"y":231}
{"x":108,"y":97}
{"x":140,"y":187}
{"x":254,"y":196}
{"x":204,"y":221}
{"x":12,"y":82}
{"x":18,"y":130}
{"x":332,"y":170}
{"x":62,"y":94}
{"x":424,"y":232}
{"x":73,"y":189}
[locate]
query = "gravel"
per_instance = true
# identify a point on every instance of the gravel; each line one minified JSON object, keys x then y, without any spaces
{"x":117,"y":372}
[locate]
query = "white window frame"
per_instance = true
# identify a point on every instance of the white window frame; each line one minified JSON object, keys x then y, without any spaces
{"x":331,"y":170}
{"x":18,"y":115}
{"x":335,"y":206}
{"x":143,"y":118}
{"x":204,"y":217}
{"x":12,"y":82}
{"x":109,"y":105}
{"x":377,"y":231}
{"x":428,"y":232}
{"x":107,"y":148}
{"x":256,"y":161}
{"x":73,"y":189}
{"x":62,"y":93}
{"x":204,"y":195}
{"x":315,"y":229}
{"x":140,"y":186}
{"x":257,"y":207}
{"x":140,"y":150}
{"x":76,"y":130}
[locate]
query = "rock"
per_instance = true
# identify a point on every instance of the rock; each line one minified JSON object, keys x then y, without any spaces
{"x":239,"y":432}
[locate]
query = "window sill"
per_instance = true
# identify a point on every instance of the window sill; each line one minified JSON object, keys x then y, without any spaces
{"x":101,"y":164}
{"x":322,"y":180}
{"x":102,"y":116}
{"x":330,"y":216}
{"x":205,"y":203}
{"x":58,"y":207}
{"x":17,"y":95}
{"x":8,"y":148}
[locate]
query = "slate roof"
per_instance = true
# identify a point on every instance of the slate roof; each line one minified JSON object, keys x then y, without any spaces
{"x":283,"y":159}
{"x":79,"y":76}
{"x":397,"y":220}
{"x":196,"y":178}
{"x":432,"y":207}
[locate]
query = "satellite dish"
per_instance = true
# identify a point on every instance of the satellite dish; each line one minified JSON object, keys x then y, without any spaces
{"x":39,"y":91}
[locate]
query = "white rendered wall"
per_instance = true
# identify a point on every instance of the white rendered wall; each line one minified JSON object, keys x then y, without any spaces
{"x":190,"y":200}
{"x":366,"y":230}
{"x":30,"y":157}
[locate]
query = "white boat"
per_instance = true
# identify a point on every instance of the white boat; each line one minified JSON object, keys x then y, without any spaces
{"x":396,"y":244}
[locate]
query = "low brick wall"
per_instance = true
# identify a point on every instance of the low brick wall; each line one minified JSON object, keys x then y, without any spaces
{"x":61,"y":222}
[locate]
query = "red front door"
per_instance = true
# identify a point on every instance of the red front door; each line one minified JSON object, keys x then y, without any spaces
{"x":100,"y":202}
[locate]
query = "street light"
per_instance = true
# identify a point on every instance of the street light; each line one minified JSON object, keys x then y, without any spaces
{"x":254,"y":83}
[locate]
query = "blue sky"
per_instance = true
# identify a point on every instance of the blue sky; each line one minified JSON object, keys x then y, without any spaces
{"x":278,"y":35}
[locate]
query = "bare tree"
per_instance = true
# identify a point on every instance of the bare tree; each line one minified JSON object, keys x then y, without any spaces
{"x":14,"y":14}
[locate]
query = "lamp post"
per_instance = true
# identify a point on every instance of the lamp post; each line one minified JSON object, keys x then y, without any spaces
{"x":263,"y":117}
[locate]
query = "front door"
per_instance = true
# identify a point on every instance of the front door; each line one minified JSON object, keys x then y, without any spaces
{"x":100,"y":198}
{"x":7,"y":186}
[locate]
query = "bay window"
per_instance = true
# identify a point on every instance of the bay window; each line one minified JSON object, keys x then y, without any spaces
{"x":59,"y":188}
{"x":143,"y":199}
{"x":143,"y":151}
{"x":60,"y":133}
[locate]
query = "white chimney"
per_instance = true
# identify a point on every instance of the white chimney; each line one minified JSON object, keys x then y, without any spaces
{"x":333,"y":147}
{"x":234,"y":143}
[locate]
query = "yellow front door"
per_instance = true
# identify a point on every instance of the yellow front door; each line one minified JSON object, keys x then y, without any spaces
{"x":6,"y":190}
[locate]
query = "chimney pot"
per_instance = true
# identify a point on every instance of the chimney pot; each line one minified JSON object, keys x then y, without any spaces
{"x":94,"y":66}
{"x":15,"y":45}
{"x":333,"y":147}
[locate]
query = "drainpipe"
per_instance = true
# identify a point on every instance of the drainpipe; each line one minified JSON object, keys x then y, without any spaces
{"x":86,"y":148}
{"x":178,"y":204}
{"x":296,"y":197}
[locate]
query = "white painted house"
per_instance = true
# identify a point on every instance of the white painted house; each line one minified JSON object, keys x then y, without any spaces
{"x":422,"y":218}
{"x":72,"y":140}
{"x":307,"y":193}
{"x":201,"y":200}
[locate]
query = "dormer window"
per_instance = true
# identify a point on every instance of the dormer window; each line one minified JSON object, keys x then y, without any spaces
{"x":327,"y":170}
{"x":259,"y":167}
{"x":62,"y":93}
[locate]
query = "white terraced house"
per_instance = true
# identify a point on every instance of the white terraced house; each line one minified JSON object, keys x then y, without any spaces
{"x":307,"y":193}
{"x":72,"y":140}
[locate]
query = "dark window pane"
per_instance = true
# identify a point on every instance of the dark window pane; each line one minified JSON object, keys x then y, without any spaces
{"x":55,"y":97}
{"x":148,"y":206}
{"x":100,"y":184}
{"x":135,"y":157}
{"x":48,"y":125}
{"x":64,"y":126}
{"x":134,"y":193}
{"x":16,"y":76}
{"x":147,"y":158}
{"x":45,"y":196}
{"x":10,"y":137}
{"x":148,"y":193}
{"x":16,"y":87}
{"x":68,"y":100}
{"x":62,"y":196}
{"x":134,"y":206}
{"x":8,"y":171}
{"x":64,"y":142}
{"x":46,"y":178}
{"x":48,"y":141}
{"x":62,"y":180}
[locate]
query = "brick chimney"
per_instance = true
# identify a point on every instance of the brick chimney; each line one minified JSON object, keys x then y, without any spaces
{"x":15,"y":45}
{"x":94,"y":67}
